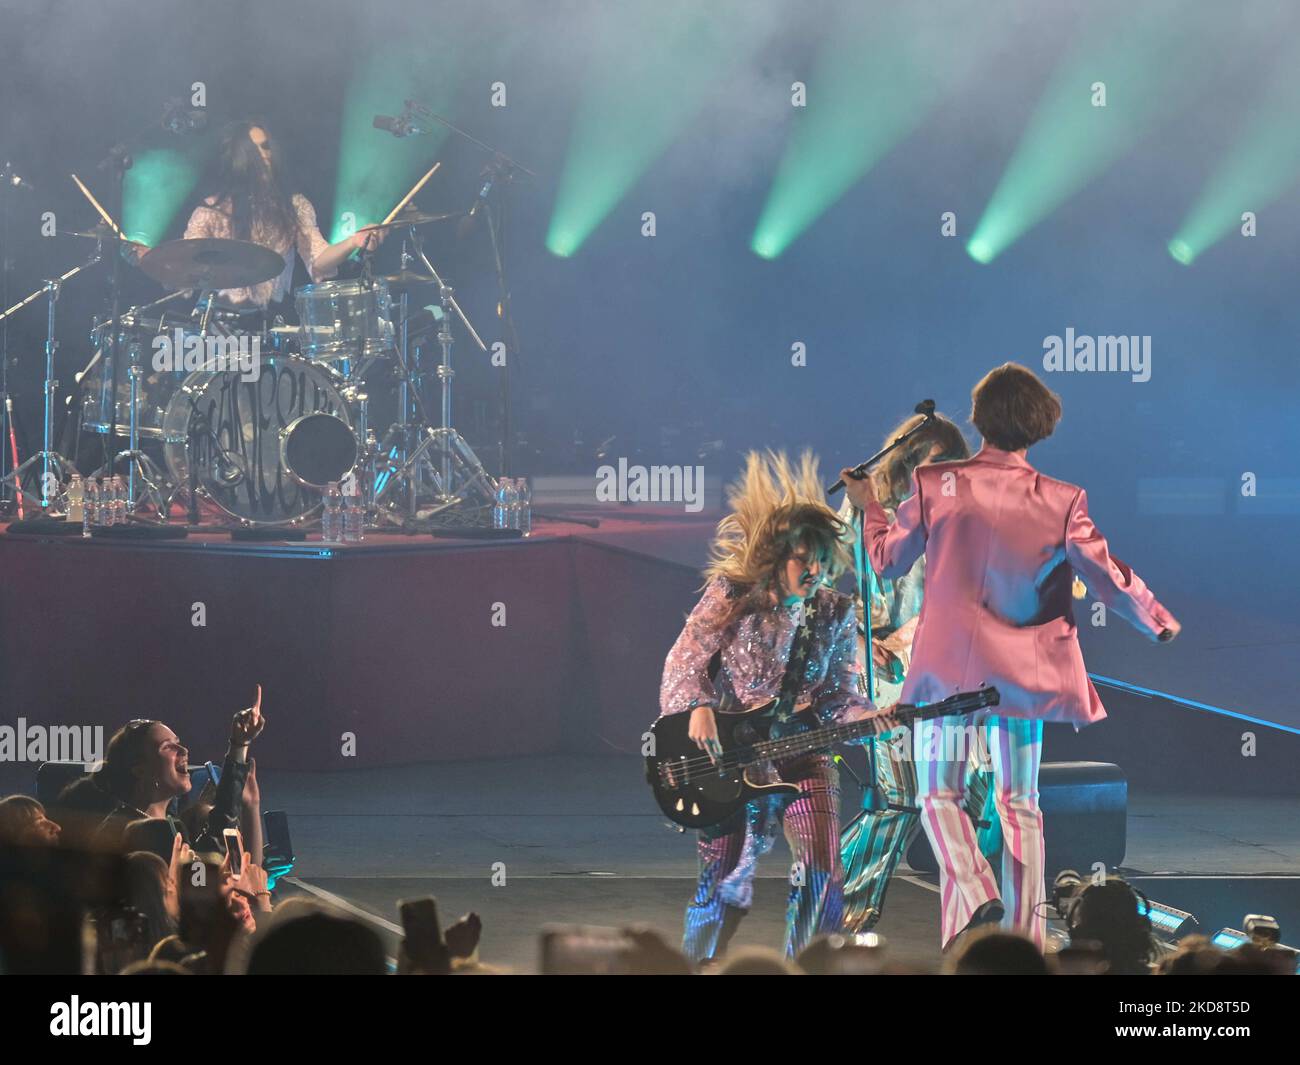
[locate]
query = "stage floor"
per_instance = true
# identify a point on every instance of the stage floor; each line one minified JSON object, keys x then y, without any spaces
{"x":580,"y":843}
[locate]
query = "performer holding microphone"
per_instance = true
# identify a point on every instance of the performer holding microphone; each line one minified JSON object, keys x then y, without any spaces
{"x":1001,"y":542}
{"x":874,"y":842}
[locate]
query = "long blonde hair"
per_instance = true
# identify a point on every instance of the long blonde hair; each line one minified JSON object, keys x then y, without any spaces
{"x":777,"y":506}
{"x":892,"y":479}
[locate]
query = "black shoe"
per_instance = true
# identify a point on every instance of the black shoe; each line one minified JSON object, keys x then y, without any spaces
{"x":990,"y":912}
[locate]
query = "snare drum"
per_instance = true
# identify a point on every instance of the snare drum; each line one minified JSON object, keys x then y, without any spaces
{"x":344,"y":320}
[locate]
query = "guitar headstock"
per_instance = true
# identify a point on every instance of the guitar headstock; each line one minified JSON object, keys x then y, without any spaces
{"x":969,"y":702}
{"x":954,"y":705}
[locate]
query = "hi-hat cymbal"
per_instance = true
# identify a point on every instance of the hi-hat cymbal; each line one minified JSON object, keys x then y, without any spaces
{"x":211,"y":263}
{"x":406,"y":279}
{"x":102,"y":231}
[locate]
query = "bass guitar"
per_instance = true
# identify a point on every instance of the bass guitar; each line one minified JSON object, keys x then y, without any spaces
{"x":695,"y":792}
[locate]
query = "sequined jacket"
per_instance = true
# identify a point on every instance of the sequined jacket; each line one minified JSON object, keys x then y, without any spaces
{"x":754,"y":650}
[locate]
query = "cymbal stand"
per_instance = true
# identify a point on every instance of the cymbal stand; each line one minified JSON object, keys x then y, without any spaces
{"x":457,"y":475}
{"x":54,"y":467}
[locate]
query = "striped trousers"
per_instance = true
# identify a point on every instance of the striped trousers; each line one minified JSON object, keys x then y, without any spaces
{"x":729,"y":852}
{"x":873,"y":844}
{"x":966,"y":880}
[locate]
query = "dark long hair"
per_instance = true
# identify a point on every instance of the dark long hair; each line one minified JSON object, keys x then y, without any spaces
{"x":257,"y":197}
{"x":126,"y":750}
{"x":146,"y":876}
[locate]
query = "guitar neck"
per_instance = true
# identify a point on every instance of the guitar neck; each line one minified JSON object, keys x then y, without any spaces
{"x":806,"y":742}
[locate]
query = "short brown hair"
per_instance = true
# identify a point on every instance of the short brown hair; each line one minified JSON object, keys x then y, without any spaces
{"x":1013,"y":409}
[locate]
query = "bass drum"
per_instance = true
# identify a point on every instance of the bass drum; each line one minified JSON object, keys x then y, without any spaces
{"x":232,"y":430}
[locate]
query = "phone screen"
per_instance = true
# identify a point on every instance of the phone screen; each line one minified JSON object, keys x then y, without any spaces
{"x":235,"y":851}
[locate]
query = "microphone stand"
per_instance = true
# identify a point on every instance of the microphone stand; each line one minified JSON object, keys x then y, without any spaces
{"x":873,"y":800}
{"x":502,"y":170}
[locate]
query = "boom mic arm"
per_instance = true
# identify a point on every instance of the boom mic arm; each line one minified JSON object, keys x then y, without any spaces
{"x":924,"y":408}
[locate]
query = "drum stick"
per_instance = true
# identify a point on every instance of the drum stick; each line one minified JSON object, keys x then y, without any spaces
{"x":407,"y":198}
{"x":95,"y":204}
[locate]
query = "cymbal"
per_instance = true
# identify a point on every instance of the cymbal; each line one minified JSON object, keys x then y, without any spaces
{"x":211,"y":263}
{"x":102,"y":231}
{"x":406,"y":279}
{"x":416,"y":218}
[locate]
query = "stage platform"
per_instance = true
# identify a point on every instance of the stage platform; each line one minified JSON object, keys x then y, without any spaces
{"x":399,"y":649}
{"x":579,"y":841}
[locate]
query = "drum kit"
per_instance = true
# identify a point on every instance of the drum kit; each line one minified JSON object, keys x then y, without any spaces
{"x":256,"y":440}
{"x":232,"y":414}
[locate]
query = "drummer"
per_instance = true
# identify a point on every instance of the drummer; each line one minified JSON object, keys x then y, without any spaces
{"x":251,"y":200}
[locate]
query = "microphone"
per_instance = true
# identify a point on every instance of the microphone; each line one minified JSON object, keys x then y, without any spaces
{"x":466,"y":224}
{"x":398,"y":126}
{"x":926,"y":407}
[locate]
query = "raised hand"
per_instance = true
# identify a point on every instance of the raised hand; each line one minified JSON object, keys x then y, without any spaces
{"x":859,"y":490}
{"x":248,"y":724}
{"x":462,"y":937}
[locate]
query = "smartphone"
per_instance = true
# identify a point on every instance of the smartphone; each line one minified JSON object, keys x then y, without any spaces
{"x":277,"y":845}
{"x":423,"y":932}
{"x":235,"y":851}
{"x":584,"y":950}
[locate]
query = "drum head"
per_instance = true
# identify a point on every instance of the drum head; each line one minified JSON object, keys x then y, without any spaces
{"x":228,"y":430}
{"x":345,"y":319}
{"x":317,"y":449}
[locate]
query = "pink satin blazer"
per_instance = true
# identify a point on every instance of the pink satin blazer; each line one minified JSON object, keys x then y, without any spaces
{"x":1002,"y":543}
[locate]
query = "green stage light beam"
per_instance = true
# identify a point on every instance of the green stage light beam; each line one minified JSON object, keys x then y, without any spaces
{"x":1069,"y":142}
{"x":1262,"y":165}
{"x":648,"y":81}
{"x":158,"y":184}
{"x":376,"y":169}
{"x":875,"y":78}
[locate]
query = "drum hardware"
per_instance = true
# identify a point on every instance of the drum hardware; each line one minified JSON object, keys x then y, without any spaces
{"x":499,"y":173}
{"x":53,"y":467}
{"x":141,"y":471}
{"x":442,"y":458}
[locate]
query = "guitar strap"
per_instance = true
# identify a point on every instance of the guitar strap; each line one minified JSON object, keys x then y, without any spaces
{"x":796,"y":664}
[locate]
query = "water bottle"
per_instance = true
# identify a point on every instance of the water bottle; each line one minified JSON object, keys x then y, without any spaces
{"x":524,"y":509}
{"x":500,"y":516}
{"x":510,"y":503}
{"x":90,"y":506}
{"x":107,"y":511}
{"x":119,"y":500}
{"x":354,"y":514}
{"x":76,"y":494}
{"x":331,"y":517}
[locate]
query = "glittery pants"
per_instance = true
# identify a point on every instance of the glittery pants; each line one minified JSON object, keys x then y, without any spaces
{"x":729,"y":852}
{"x":874,"y":842}
{"x":966,"y":880}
